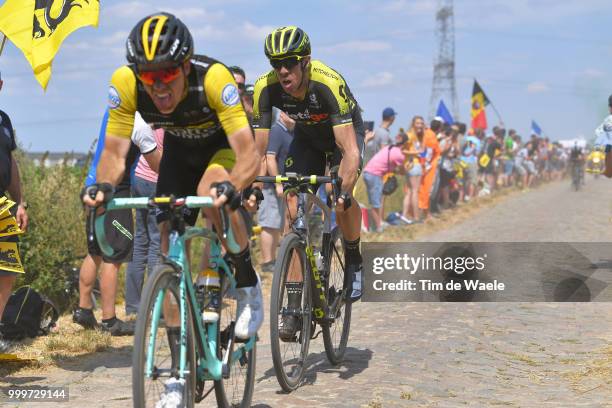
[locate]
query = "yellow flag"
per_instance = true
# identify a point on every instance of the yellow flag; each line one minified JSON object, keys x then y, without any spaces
{"x":38,"y":28}
{"x":8,"y":227}
{"x":9,"y":257}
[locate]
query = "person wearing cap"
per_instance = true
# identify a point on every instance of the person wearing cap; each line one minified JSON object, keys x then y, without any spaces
{"x":381,"y":136}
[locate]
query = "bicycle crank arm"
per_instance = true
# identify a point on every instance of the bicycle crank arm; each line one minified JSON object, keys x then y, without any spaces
{"x":225,"y":368}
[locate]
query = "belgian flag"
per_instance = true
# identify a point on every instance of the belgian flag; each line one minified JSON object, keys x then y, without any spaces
{"x":479,"y":102}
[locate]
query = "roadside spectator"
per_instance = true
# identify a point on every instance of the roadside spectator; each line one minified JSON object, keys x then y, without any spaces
{"x":389,"y":159}
{"x":430,"y":157}
{"x":143,"y":139}
{"x":381,"y":136}
{"x":413,"y":149}
{"x":492,"y":150}
{"x":9,"y":182}
{"x":469,"y":156}
{"x":438,"y":126}
{"x":272,"y":209}
{"x":449,"y":150}
{"x":509,"y":150}
{"x":146,"y":238}
{"x":245,"y":97}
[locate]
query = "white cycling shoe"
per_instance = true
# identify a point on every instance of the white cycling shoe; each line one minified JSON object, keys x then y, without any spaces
{"x":250,"y":311}
{"x":172,"y":397}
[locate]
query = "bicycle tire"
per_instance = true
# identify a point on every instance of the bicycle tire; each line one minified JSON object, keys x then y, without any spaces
{"x":164,"y":277}
{"x":291,"y":244}
{"x":234,"y":392}
{"x":336,"y":347}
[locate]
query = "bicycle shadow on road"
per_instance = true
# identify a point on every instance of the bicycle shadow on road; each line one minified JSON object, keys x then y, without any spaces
{"x":355,"y":362}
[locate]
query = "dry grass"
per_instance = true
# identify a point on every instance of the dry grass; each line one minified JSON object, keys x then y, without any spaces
{"x":67,"y":342}
{"x":596,"y":373}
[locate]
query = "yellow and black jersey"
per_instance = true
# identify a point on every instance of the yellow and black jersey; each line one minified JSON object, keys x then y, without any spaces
{"x":209,"y":112}
{"x":328,"y":103}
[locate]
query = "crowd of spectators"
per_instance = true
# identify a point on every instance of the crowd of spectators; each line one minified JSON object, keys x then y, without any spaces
{"x":444,"y":164}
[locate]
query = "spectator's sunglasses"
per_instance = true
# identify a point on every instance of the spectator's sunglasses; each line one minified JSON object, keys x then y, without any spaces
{"x":165,"y":76}
{"x":288,"y":62}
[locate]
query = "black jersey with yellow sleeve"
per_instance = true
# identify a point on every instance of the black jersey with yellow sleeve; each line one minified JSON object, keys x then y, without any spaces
{"x":328,"y":103}
{"x":209,"y":112}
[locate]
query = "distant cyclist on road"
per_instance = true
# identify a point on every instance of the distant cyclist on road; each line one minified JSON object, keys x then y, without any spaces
{"x":328,"y":125}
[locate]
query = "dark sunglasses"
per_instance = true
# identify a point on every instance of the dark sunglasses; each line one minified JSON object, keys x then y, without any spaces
{"x":288,"y":63}
{"x":241,"y":86}
{"x":165,"y":76}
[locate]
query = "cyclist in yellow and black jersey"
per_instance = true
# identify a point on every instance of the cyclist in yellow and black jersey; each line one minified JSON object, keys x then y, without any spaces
{"x":208,"y":145}
{"x":328,"y":102}
{"x":328,"y":126}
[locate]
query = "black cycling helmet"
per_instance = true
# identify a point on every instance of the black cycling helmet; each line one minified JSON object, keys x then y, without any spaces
{"x":287,"y":42}
{"x":159,"y":38}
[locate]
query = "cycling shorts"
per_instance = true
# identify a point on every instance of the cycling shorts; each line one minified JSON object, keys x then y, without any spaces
{"x":307,"y":158}
{"x":182,"y":168}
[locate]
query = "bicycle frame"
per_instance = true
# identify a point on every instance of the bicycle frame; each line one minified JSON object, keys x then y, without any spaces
{"x":322,"y":310}
{"x":210,"y":367}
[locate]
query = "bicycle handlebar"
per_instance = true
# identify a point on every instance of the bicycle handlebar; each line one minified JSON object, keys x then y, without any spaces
{"x":96,"y":222}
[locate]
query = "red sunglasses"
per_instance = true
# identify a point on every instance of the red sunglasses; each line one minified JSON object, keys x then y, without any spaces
{"x":165,"y":76}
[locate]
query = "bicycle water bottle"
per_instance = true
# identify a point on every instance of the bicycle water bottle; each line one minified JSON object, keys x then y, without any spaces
{"x":209,"y":290}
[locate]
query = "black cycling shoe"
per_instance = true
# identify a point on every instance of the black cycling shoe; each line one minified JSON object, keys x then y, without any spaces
{"x":289,"y":325}
{"x":119,"y":328}
{"x":85,"y":318}
{"x":354,"y":274}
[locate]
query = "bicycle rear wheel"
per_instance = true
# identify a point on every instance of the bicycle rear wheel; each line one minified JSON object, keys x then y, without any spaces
{"x":335,"y":334}
{"x":147,"y":391}
{"x":289,"y":356}
{"x":237,"y":390}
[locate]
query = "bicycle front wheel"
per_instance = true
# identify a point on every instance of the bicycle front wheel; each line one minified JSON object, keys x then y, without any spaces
{"x":154,"y":367}
{"x":336,"y":333}
{"x":289,"y":354}
{"x":237,"y":390}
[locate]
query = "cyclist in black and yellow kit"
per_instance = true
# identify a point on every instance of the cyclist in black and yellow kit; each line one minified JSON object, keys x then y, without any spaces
{"x":328,"y":126}
{"x":208,"y":144}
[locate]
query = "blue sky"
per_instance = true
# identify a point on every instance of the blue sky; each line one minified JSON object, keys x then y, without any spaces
{"x":536,"y":59}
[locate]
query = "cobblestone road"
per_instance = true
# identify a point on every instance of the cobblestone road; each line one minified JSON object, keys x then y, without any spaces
{"x":439,"y":355}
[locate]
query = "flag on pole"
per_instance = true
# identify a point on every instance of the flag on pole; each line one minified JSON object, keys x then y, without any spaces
{"x":535,"y":129}
{"x":444,"y":113}
{"x":38,"y":28}
{"x":479,"y":102}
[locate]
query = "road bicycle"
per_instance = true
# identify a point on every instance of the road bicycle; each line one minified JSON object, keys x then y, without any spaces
{"x":324,"y":288}
{"x":209,"y":351}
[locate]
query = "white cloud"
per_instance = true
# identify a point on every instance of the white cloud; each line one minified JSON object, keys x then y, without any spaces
{"x":593,"y":73}
{"x":255,"y":33}
{"x":138,"y":9}
{"x":503,"y":13}
{"x":411,"y":7}
{"x":537,"y":87}
{"x":379,"y":80}
{"x":356,"y":46}
{"x":247,"y":31}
